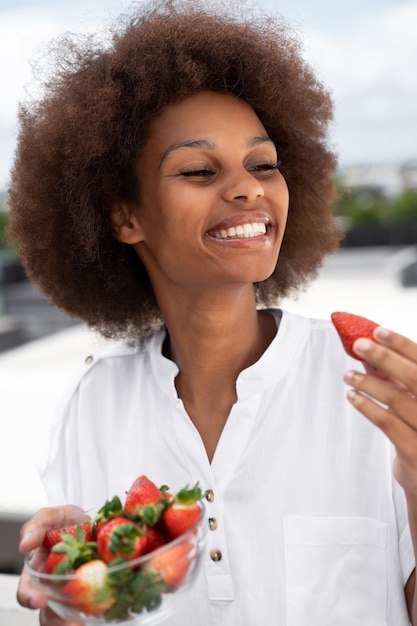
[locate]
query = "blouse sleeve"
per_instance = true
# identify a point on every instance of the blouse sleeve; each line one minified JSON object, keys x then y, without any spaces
{"x":60,"y":469}
{"x":405,"y":545}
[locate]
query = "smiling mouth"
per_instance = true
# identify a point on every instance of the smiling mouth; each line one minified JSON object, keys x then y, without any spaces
{"x":252,"y":229}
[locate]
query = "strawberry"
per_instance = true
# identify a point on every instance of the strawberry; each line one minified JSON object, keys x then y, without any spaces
{"x":55,"y":535}
{"x":75,"y":548}
{"x":154,"y":539}
{"x":183,"y":511}
{"x":120,"y":538}
{"x":170,"y":567}
{"x":144,"y":501}
{"x":350,"y":327}
{"x":57,"y":563}
{"x":89,"y":590}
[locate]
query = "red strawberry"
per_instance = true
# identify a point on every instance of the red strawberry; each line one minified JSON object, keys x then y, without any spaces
{"x":120,"y":539}
{"x":350,"y":327}
{"x":57,"y":563}
{"x":90,"y":591}
{"x":54,"y":536}
{"x":183,"y":511}
{"x":144,"y":501}
{"x":171,"y":566}
{"x":154,"y":539}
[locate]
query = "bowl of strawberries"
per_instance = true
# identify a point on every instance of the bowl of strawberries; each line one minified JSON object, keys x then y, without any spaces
{"x":132,"y":563}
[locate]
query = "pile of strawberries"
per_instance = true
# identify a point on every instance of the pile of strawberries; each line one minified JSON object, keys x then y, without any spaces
{"x":150,"y":518}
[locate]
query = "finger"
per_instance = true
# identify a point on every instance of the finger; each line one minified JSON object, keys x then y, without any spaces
{"x":33,"y":532}
{"x":386,"y":360}
{"x":402,"y":436}
{"x":400,"y":402}
{"x":400,"y":344}
{"x":27,"y":595}
{"x":374,"y":371}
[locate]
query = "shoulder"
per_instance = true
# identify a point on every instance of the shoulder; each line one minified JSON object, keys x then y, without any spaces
{"x":294,"y":324}
{"x":114,"y":365}
{"x":115,"y":353}
{"x":118,"y":352}
{"x":315,"y":337}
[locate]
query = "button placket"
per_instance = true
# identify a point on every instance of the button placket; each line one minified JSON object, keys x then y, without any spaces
{"x":216,"y":562}
{"x":214,"y":553}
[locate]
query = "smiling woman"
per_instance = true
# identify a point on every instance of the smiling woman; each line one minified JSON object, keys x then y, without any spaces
{"x":180,"y":178}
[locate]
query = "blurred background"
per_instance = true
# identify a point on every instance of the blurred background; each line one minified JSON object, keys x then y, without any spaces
{"x":365,"y":52}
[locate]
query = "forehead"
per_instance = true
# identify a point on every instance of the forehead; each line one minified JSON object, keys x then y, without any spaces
{"x":207,"y":116}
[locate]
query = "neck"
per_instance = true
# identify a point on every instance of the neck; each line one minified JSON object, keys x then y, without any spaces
{"x":212,"y":339}
{"x":212,"y":343}
{"x":216,"y":336}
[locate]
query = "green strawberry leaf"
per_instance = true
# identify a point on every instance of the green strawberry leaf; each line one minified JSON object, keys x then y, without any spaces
{"x":110,"y":509}
{"x":189,"y":495}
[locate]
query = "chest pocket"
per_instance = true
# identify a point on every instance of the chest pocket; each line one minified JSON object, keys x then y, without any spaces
{"x":335,"y":571}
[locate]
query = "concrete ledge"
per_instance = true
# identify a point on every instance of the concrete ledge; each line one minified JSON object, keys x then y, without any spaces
{"x":11,"y":613}
{"x":11,"y":333}
{"x":409,"y":275}
{"x":11,"y":560}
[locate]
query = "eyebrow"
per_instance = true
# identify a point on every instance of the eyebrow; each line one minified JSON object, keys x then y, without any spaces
{"x":203,"y":144}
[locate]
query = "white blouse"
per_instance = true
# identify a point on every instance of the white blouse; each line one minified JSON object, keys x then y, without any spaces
{"x":311,"y":526}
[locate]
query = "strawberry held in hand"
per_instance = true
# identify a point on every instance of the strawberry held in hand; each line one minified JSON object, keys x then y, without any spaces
{"x":350,"y":328}
{"x":183,"y":511}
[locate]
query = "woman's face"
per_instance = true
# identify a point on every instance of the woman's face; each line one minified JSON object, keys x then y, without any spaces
{"x":213,"y":204}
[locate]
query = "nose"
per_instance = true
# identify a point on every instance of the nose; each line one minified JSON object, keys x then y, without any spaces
{"x":243,"y":186}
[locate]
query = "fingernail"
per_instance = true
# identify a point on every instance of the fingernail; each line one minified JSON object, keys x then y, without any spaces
{"x":348,"y":375}
{"x":351,"y":394}
{"x":27,"y":534}
{"x":382,"y":333}
{"x":362,"y":345}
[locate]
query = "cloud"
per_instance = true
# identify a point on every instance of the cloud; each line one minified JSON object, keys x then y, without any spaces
{"x":24,"y":37}
{"x":370,"y":69}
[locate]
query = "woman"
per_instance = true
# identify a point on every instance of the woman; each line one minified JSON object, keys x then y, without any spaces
{"x":168,"y":190}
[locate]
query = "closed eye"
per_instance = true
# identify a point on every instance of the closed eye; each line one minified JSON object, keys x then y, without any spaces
{"x":264,"y":167}
{"x":201,"y":173}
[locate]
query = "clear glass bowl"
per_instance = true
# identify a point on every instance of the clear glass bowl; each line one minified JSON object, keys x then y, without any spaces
{"x":150,"y":598}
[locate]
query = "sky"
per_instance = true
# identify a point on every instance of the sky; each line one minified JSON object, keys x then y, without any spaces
{"x":364,"y":51}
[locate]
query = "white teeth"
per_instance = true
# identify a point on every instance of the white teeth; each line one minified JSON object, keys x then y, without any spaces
{"x":244,"y":230}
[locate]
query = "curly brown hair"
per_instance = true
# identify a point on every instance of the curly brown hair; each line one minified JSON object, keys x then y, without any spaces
{"x":79,"y":144}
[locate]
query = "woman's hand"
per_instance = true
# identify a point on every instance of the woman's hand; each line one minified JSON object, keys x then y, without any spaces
{"x":32,"y":535}
{"x":391,"y":380}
